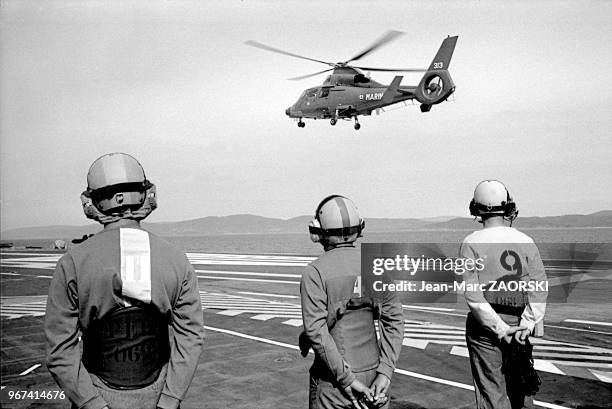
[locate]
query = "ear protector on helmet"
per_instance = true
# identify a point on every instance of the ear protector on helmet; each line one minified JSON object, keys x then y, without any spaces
{"x":336,"y":224}
{"x":506,"y":208}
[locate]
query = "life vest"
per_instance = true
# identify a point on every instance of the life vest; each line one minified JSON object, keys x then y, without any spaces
{"x":128,"y":347}
{"x":354,"y":333}
{"x":350,"y":317}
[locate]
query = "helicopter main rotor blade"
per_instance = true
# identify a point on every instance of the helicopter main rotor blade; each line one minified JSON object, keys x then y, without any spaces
{"x":309,"y":75}
{"x":391,"y":69}
{"x":276,"y":50}
{"x":389,"y":36}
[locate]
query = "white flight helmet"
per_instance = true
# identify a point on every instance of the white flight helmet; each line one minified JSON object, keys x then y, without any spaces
{"x":492,"y":198}
{"x":336,"y":221}
{"x":117,"y":188}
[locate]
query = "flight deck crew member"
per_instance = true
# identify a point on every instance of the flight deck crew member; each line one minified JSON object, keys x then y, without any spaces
{"x":499,"y":318}
{"x":124,"y":319}
{"x":351,"y":368}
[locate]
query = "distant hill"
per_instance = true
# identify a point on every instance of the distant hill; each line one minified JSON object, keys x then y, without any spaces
{"x":599,"y":219}
{"x":250,"y":224}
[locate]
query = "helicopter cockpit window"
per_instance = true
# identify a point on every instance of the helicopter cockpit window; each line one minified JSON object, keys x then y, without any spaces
{"x":361,"y":78}
{"x":324,"y":92}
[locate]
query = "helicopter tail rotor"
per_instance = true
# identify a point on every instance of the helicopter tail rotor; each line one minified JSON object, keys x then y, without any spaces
{"x":437,"y":85}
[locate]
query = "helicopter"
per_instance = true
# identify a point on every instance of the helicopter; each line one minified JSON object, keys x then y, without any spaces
{"x":348,"y":93}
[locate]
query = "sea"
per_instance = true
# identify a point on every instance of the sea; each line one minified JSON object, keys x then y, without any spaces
{"x":299,"y":243}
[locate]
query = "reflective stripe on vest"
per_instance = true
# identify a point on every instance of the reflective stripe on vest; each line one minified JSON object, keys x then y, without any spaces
{"x":135,"y":265}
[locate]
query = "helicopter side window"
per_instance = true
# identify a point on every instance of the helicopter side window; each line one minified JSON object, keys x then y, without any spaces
{"x":324,"y":92}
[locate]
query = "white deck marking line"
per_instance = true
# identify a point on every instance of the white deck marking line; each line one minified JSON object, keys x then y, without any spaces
{"x":26,"y":310}
{"x":267,"y":311}
{"x":607,"y":324}
{"x":268,"y":295}
{"x":230,"y":304}
{"x":30,"y":369}
{"x":222,"y":305}
{"x":579,"y":329}
{"x":25,"y":296}
{"x":399,"y":371}
{"x":255,"y":256}
{"x":546,"y":325}
{"x":33,"y":266}
{"x":434,"y":379}
{"x":542,"y":341}
{"x":39,"y":258}
{"x":266,"y":317}
{"x":249,"y":302}
{"x":581,"y":364}
{"x":435,"y":332}
{"x":567,"y":349}
{"x":294,"y":322}
{"x":435,"y":336}
{"x":576,"y":356}
{"x":247,"y":263}
{"x":419,"y":307}
{"x":286,"y":263}
{"x":602,"y":376}
{"x":257,"y":310}
{"x":19,"y":253}
{"x":248,"y":273}
{"x":462,"y":351}
{"x":441,"y":312}
{"x":428,"y":324}
{"x":253,"y":338}
{"x":261,"y":280}
{"x":415,"y":343}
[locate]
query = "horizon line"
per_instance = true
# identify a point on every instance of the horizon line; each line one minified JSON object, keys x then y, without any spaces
{"x":295,"y":217}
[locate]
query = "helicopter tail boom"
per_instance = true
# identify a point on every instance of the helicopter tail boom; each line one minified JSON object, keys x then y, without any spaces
{"x":437,"y":85}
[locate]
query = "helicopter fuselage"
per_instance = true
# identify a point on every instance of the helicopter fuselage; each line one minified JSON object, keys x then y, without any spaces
{"x":343,"y":101}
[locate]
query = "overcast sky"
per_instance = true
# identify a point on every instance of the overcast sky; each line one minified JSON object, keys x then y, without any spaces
{"x":172,"y":83}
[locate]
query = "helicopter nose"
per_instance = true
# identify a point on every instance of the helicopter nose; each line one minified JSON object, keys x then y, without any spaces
{"x":288,"y":111}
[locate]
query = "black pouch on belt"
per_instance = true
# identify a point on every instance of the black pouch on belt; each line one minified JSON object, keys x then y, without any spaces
{"x":128,"y":347}
{"x":518,"y":366}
